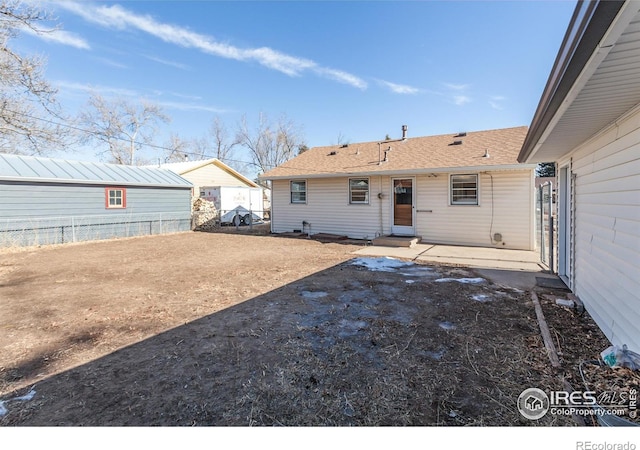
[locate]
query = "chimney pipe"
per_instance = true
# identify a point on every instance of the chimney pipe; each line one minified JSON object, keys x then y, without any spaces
{"x":404,"y":132}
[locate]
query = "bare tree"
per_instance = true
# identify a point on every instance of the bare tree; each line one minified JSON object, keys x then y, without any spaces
{"x":178,"y":149}
{"x":29,"y":113}
{"x":222,"y":144}
{"x":122,"y":126}
{"x":270,"y":144}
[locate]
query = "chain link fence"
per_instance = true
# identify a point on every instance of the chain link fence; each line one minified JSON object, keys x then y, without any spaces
{"x":59,"y":230}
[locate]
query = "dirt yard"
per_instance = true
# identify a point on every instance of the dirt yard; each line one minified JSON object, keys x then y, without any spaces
{"x":216,"y":329}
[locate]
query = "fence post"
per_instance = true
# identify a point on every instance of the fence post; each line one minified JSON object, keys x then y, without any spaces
{"x":236,"y":220}
{"x":73,"y":229}
{"x":250,"y":219}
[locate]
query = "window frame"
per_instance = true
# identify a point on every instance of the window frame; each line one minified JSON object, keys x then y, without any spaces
{"x":452,"y":201}
{"x":291,"y":192}
{"x":107,"y":197}
{"x":367,"y":194}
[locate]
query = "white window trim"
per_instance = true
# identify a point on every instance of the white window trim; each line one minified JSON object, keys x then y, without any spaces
{"x":450,"y":189}
{"x":306,"y":192}
{"x":368,"y":190}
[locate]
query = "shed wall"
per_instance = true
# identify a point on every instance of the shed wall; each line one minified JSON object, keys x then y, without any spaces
{"x":39,"y":213}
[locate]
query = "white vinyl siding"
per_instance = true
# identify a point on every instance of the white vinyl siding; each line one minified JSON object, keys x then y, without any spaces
{"x":607,"y":230}
{"x":507,"y":208}
{"x":328,"y":210}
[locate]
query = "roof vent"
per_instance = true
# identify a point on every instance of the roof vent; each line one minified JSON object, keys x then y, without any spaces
{"x":456,"y":143}
{"x":344,"y":145}
{"x":462,"y":134}
{"x":404,"y":132}
{"x":333,"y":153}
{"x":486,"y":153}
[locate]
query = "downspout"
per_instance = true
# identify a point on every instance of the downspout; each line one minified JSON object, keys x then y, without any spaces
{"x":380,"y":204}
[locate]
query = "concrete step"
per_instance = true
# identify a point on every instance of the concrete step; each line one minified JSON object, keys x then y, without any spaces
{"x":397,"y":241}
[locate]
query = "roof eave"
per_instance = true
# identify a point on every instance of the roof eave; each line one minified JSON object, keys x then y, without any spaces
{"x":406,"y":172}
{"x":588,"y":26}
{"x":185,"y":185}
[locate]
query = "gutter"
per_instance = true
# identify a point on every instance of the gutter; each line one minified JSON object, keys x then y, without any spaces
{"x":39,"y":180}
{"x":589,"y":24}
{"x":496,"y":168}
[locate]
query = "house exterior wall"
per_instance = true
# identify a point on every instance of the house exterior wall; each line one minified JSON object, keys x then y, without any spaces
{"x":506,"y":202}
{"x":505,"y":209}
{"x":210,"y":175}
{"x":47,"y":213}
{"x":604,"y":228}
{"x":328,"y":209}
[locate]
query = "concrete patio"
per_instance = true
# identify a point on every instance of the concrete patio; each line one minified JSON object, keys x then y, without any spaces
{"x":520,"y":269}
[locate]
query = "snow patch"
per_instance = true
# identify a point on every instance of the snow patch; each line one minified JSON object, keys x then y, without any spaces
{"x":481,"y":298}
{"x":409,"y":281}
{"x":436,"y":354}
{"x":28,"y":396}
{"x":313,"y":295}
{"x":447,"y":326}
{"x":383,"y":264}
{"x":462,"y":280}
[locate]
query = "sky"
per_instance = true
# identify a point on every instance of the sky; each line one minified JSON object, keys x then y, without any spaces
{"x":343,"y":71}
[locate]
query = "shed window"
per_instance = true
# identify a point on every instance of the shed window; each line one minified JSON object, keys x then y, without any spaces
{"x":359,"y":190}
{"x":298,"y":191}
{"x":464,"y":189}
{"x":115,"y":198}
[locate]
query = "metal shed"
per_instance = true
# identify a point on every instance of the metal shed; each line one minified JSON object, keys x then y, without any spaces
{"x":53,"y":201}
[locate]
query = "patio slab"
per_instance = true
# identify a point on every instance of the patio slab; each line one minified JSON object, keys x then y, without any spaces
{"x":514,"y":268}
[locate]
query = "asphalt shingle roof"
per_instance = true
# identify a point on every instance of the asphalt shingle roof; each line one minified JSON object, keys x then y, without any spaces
{"x":418,"y":154}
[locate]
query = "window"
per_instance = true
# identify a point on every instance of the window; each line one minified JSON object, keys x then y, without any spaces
{"x":464,"y":189}
{"x":359,"y":190}
{"x":298,"y":191}
{"x":115,"y":198}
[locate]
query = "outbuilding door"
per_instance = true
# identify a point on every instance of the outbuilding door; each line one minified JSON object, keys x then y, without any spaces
{"x":403,"y":208}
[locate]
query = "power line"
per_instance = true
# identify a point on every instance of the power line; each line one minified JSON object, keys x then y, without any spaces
{"x":160,"y":147}
{"x":118,"y":138}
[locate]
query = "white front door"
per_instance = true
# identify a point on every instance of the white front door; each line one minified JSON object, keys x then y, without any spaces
{"x":403,"y":206}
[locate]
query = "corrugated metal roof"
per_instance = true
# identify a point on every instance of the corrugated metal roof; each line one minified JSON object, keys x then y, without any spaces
{"x":48,"y":170}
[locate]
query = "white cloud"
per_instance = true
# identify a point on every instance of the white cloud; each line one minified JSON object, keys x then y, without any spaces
{"x":59,"y":37}
{"x":495,"y":102}
{"x":110,"y":91}
{"x":461,"y":99}
{"x":341,"y":77}
{"x":167,"y":62}
{"x":104,"y":90}
{"x":457,"y":87}
{"x":110,"y":62}
{"x":120,"y":18}
{"x":399,"y":88}
{"x":192,"y":107}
